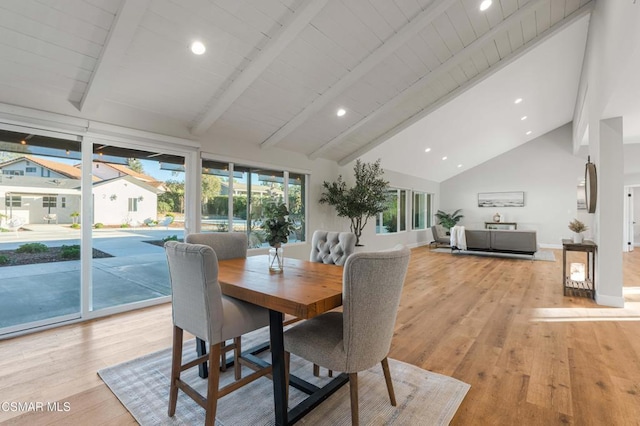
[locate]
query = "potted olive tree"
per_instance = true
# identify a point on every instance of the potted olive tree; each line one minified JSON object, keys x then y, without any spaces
{"x":365,"y":199}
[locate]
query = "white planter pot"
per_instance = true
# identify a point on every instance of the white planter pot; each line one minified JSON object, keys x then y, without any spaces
{"x":578,"y":238}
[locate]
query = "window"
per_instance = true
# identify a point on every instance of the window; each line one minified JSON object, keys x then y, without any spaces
{"x":30,"y":169}
{"x":13,"y":172}
{"x":421,"y":213}
{"x":13,"y":200}
{"x":296,"y":196}
{"x":394,"y":217}
{"x":133,"y":204}
{"x":63,"y":202}
{"x":49,"y":201}
{"x":234,"y":202}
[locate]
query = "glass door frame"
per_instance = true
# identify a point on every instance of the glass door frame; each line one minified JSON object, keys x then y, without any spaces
{"x":14,"y":330}
{"x":115,"y":136}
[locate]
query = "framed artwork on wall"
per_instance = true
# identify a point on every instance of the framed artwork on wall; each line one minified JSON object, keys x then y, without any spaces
{"x":501,"y":199}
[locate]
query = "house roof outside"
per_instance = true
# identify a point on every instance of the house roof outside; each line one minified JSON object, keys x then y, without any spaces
{"x":149,"y":180}
{"x":133,"y":180}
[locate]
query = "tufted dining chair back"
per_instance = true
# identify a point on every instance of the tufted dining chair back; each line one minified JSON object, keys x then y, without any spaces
{"x":332,"y":247}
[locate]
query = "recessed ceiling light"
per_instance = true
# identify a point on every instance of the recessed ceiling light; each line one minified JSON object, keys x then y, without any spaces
{"x":198,"y":48}
{"x":23,"y":142}
{"x":518,"y":101}
{"x":444,"y":158}
{"x":459,"y":165}
{"x":427,"y":150}
{"x":524,"y":117}
{"x":529,"y":132}
{"x":485,"y":5}
{"x":341,"y":112}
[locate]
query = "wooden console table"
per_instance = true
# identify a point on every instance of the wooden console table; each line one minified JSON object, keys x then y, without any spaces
{"x":588,"y":286}
{"x":501,"y":225}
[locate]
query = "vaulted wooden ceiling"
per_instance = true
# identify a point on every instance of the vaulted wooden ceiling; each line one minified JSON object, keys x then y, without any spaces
{"x":275,"y":71}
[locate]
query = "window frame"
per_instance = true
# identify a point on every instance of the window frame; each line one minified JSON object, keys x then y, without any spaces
{"x":428,"y":210}
{"x":234,"y":167}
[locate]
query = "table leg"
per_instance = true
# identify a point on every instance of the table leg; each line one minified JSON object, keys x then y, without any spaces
{"x":201,"y":349}
{"x":278,"y":367}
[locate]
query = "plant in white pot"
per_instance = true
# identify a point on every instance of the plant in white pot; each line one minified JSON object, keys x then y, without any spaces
{"x":578,"y":228}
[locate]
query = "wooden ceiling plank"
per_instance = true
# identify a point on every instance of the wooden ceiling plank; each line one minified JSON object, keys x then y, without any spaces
{"x":124,"y":27}
{"x":491,"y":53}
{"x":515,"y":36}
{"x":375,"y":22}
{"x":424,"y":52}
{"x":31,"y":61}
{"x":381,"y":53}
{"x":462,"y":56}
{"x":478,"y":21}
{"x":431,"y":38}
{"x":278,"y":43}
{"x":557,"y":11}
{"x":586,"y":9}
{"x":320,"y":42}
{"x":571,"y":6}
{"x":543,"y":18}
{"x":469,"y":69}
{"x":45,"y":50}
{"x":30,"y":9}
{"x":458,"y":75}
{"x":448,"y":33}
{"x":460,"y":21}
{"x":508,"y":7}
{"x":529,"y":31}
{"x":503,"y":45}
{"x":391,"y":13}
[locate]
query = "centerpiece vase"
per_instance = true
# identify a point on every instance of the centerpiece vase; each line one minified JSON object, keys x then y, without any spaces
{"x":276,"y":259}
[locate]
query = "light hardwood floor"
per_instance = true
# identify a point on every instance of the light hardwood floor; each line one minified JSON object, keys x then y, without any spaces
{"x":531,"y":355}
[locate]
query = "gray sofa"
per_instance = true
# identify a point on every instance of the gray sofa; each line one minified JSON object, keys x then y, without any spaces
{"x":501,"y":240}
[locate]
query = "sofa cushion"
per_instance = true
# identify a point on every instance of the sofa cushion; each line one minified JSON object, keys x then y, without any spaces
{"x":478,"y":239}
{"x":524,"y":241}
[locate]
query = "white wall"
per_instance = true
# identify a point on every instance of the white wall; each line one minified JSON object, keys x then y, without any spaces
{"x":544,"y":168}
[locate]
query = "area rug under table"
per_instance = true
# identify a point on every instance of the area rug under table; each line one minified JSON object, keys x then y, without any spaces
{"x":423,"y":397}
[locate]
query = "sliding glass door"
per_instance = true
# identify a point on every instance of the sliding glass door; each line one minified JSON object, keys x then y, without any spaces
{"x":138,"y":202}
{"x":40,"y":241}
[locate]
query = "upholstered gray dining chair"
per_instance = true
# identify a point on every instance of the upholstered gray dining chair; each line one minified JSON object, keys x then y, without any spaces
{"x":226,"y":245}
{"x":200,"y":308}
{"x":360,"y":336}
{"x":332,"y":247}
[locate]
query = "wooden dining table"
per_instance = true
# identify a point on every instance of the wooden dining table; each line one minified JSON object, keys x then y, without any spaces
{"x":304,"y":289}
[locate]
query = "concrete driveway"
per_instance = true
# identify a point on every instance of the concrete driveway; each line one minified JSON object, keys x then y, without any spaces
{"x":137,"y":271}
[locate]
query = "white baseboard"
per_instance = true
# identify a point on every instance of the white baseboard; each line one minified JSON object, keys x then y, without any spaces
{"x":550,"y":246}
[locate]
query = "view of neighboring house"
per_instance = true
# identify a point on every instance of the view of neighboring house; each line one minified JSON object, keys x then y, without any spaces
{"x":44,"y":191}
{"x":240,"y":188}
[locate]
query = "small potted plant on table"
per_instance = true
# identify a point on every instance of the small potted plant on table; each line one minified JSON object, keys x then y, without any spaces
{"x":278,"y":226}
{"x":578,"y":228}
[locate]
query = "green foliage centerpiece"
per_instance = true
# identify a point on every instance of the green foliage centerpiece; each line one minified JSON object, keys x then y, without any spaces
{"x":366,"y":199}
{"x":278,"y":227}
